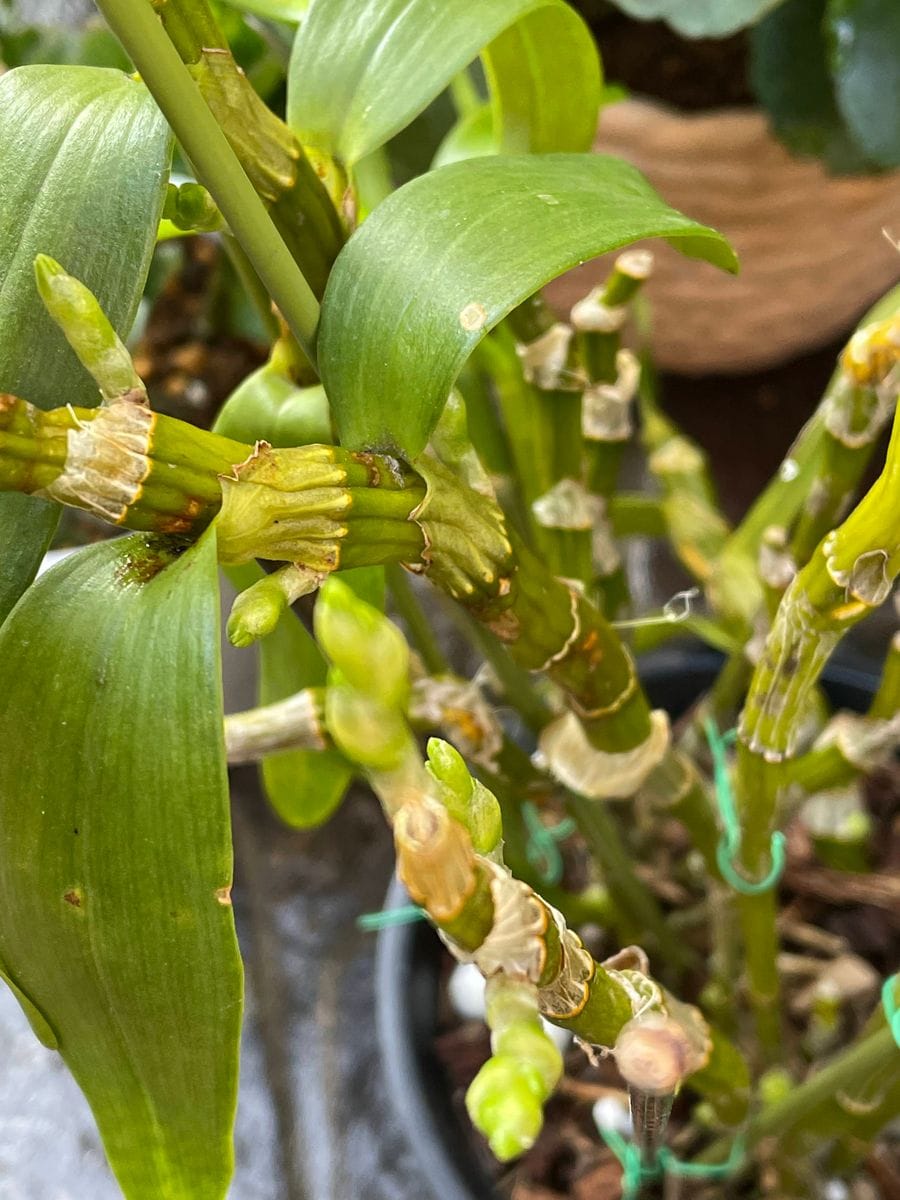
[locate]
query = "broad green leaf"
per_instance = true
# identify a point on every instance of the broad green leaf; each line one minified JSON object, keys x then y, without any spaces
{"x":84,"y":156}
{"x":866,"y":49}
{"x":471,"y":137}
{"x":535,"y":112}
{"x":700,"y":18}
{"x":446,"y":257}
{"x":791,"y":77}
{"x":27,"y":526}
{"x":115,"y":852}
{"x":360,"y":72}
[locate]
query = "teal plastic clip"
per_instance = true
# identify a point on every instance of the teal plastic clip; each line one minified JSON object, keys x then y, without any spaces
{"x":542,"y":850}
{"x":889,"y":1004}
{"x":729,"y":847}
{"x":387,"y":917}
{"x":636,"y":1172}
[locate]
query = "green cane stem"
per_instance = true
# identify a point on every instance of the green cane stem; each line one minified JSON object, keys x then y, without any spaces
{"x":867,"y":740}
{"x":851,"y":572}
{"x":268,"y":150}
{"x":323,"y":507}
{"x":846,"y":1073}
{"x":141,"y":33}
{"x":789,"y":490}
{"x":599,"y":319}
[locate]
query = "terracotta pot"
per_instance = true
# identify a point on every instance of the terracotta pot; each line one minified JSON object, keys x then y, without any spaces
{"x":813,"y":253}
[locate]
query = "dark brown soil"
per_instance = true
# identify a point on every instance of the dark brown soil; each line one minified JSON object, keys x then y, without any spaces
{"x":650,"y":59}
{"x":188,"y":356}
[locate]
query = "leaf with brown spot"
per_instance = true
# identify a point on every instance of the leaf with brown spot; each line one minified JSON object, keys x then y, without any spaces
{"x":145,"y":1008}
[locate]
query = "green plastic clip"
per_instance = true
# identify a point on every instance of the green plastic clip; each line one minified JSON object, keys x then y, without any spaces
{"x":386,"y":918}
{"x":542,"y":850}
{"x":729,"y":847}
{"x":636,"y":1172}
{"x":889,"y":1004}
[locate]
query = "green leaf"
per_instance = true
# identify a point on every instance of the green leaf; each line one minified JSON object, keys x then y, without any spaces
{"x":292,"y":11}
{"x":27,"y":526}
{"x":791,"y":77}
{"x":533,"y":112}
{"x":360,"y":72}
{"x":268,"y":406}
{"x":84,"y":154}
{"x":471,"y":137}
{"x":115,"y":852}
{"x":446,"y":257}
{"x":700,"y":18}
{"x":865,"y":38}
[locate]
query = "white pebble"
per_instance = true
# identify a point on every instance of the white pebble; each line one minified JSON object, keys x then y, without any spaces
{"x":611,"y":1113}
{"x":466,"y":991}
{"x":835,"y":1189}
{"x":561,"y":1037}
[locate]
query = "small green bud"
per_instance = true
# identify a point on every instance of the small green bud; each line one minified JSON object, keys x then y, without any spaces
{"x":368,"y":649}
{"x":447,"y":766}
{"x":504,"y":1102}
{"x":526,"y":1040}
{"x":364,"y":729}
{"x":466,"y":799}
{"x":86,"y":327}
{"x":191,"y":207}
{"x":775,"y":1085}
{"x":485,"y":821}
{"x":257,"y":611}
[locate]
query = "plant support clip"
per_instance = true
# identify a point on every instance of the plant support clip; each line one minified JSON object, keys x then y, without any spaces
{"x":729,"y":847}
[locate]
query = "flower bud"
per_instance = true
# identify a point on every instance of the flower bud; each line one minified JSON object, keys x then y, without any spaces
{"x":256,"y":611}
{"x":191,"y":207}
{"x":368,"y":649}
{"x":466,"y":799}
{"x":504,"y":1102}
{"x":526,"y":1040}
{"x":77,"y":312}
{"x":447,"y":766}
{"x":364,"y":729}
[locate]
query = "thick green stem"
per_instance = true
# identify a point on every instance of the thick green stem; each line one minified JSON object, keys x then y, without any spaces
{"x":417,"y":625}
{"x":141,"y":33}
{"x":789,"y":491}
{"x":268,"y":151}
{"x":848,"y":1072}
{"x":851,"y":572}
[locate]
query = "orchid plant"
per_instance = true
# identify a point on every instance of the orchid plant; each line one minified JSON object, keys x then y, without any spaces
{"x":422,"y":412}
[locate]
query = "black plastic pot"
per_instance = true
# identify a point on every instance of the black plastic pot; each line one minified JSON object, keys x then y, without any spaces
{"x":408,"y":958}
